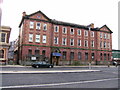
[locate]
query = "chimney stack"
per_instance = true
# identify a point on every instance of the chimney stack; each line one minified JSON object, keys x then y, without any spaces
{"x":24,"y":13}
{"x":92,"y":25}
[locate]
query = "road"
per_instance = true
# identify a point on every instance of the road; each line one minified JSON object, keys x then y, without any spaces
{"x":106,"y":78}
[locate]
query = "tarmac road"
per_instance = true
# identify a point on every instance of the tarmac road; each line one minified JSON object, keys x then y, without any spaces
{"x":106,"y":78}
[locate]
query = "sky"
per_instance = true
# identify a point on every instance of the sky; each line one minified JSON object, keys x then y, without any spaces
{"x":83,"y":12}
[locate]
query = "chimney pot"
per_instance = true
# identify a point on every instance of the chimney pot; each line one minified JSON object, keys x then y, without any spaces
{"x":92,"y":25}
{"x":24,"y":13}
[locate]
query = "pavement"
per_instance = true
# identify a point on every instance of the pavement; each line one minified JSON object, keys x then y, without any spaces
{"x":56,"y":66}
{"x":47,"y":71}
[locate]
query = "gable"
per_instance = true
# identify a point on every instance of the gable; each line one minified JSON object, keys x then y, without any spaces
{"x":39,"y":15}
{"x":105,"y":29}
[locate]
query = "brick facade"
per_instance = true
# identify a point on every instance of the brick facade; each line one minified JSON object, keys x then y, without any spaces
{"x":75,"y":42}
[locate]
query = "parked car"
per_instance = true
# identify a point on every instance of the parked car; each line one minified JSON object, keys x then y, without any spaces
{"x":115,"y":63}
{"x":42,"y":64}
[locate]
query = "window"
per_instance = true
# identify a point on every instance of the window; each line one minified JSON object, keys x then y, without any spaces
{"x":86,"y":56}
{"x":105,"y":58}
{"x":100,"y":44}
{"x":38,"y":25}
{"x":71,"y":55}
{"x":100,"y":56}
{"x":38,"y":16}
{"x":92,"y":34}
{"x":108,"y":56}
{"x":1,"y":53}
{"x":108,"y":36}
{"x":108,"y":45}
{"x":45,"y":27}
{"x":104,"y":44}
{"x":100,"y":35}
{"x":37,"y":52}
{"x":3,"y":37}
{"x":92,"y":56}
{"x":86,"y":33}
{"x":30,"y":37}
{"x":31,"y":25}
{"x":64,"y":54}
{"x":64,"y":30}
{"x":29,"y":52}
{"x":71,"y":31}
{"x":64,"y":40}
{"x":105,"y":36}
{"x":56,"y":28}
{"x":79,"y":32}
{"x":79,"y":42}
{"x":79,"y":55}
{"x":37,"y":39}
{"x":92,"y":43}
{"x":86,"y":43}
{"x":72,"y":42}
{"x":43,"y":52}
{"x":44,"y":39}
{"x":55,"y":40}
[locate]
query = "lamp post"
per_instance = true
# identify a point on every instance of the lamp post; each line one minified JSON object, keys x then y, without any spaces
{"x":89,"y":48}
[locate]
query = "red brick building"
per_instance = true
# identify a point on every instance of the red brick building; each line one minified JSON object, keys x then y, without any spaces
{"x":62,"y":42}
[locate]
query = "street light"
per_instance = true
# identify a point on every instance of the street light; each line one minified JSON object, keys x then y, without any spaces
{"x":89,"y":49}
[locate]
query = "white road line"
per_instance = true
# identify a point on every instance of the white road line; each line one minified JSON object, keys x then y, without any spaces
{"x":57,"y":84}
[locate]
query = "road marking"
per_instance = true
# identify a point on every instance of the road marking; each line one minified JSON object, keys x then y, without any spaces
{"x":57,"y":84}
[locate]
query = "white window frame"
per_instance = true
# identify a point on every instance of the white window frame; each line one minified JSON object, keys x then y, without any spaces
{"x":30,"y":37}
{"x":38,"y":27}
{"x":79,"y":31}
{"x":92,"y":34}
{"x":44,"y":25}
{"x":44,"y":40}
{"x":79,"y":40}
{"x":101,"y":44}
{"x":86,"y":33}
{"x":55,"y":40}
{"x":71,"y":40}
{"x":108,"y":36}
{"x":105,"y":35}
{"x":64,"y":40}
{"x":108,"y":45}
{"x":71,"y":31}
{"x":104,"y":44}
{"x":100,"y":35}
{"x":86,"y":42}
{"x":37,"y":37}
{"x":31,"y":25}
{"x":64,"y":28}
{"x":5,"y":37}
{"x":56,"y":27}
{"x":92,"y":43}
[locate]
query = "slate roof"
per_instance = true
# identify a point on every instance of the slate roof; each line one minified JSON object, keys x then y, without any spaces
{"x":61,"y":22}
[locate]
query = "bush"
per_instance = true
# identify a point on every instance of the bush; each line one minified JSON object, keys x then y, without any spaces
{"x":76,"y":63}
